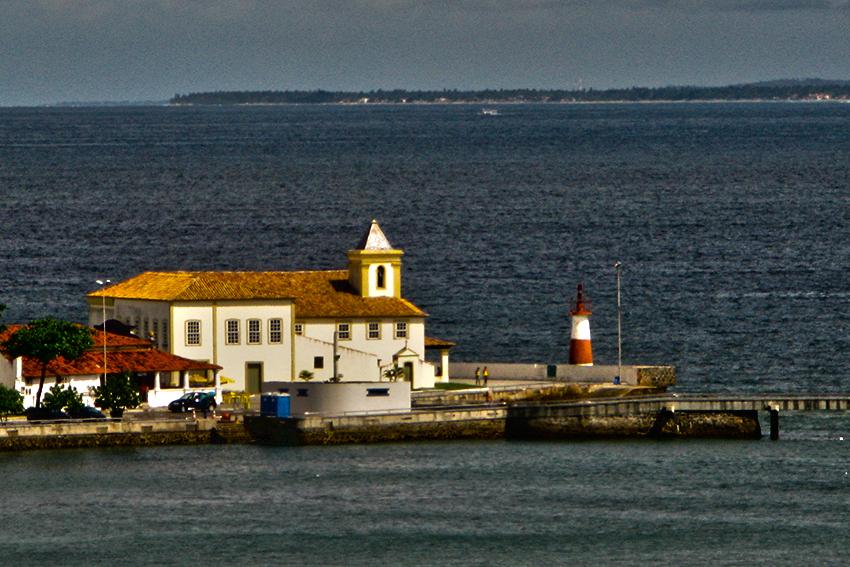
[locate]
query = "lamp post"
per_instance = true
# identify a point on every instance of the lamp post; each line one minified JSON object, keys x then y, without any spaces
{"x":103,"y":283}
{"x":618,"y":267}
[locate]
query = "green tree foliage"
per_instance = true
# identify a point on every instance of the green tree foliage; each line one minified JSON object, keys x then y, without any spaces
{"x":46,"y":340}
{"x":305,"y":375}
{"x":117,"y":394}
{"x":394,"y":374}
{"x":11,"y":402}
{"x":59,"y":398}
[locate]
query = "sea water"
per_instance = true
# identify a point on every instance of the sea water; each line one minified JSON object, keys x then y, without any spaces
{"x":731,"y":224}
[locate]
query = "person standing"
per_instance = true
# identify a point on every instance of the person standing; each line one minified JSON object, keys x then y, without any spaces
{"x":486,"y":374}
{"x":478,"y":376}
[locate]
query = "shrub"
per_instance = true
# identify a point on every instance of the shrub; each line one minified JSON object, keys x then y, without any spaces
{"x":59,"y":398}
{"x":11,"y":402}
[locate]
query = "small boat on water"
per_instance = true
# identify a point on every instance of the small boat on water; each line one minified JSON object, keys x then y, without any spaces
{"x":489,"y":112}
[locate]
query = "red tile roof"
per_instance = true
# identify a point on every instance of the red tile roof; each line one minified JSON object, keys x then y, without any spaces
{"x":124,"y":354}
{"x":316,"y":294}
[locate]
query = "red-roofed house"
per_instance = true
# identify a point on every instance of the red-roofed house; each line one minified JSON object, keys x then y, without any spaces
{"x":270,"y":326}
{"x":161,"y":376}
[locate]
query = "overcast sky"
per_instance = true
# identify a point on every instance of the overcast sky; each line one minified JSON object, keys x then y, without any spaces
{"x":99,"y":50}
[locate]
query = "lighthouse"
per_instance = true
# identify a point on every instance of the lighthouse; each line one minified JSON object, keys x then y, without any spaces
{"x":581,"y":352}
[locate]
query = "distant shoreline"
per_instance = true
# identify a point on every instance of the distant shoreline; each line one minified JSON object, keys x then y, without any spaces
{"x":781,"y":91}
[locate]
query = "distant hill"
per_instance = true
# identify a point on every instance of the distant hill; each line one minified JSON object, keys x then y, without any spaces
{"x":785,"y":89}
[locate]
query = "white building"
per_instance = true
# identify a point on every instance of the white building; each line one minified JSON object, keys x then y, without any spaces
{"x":272,"y":326}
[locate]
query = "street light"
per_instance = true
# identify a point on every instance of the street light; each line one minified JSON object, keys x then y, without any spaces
{"x":102,"y":283}
{"x":618,"y":267}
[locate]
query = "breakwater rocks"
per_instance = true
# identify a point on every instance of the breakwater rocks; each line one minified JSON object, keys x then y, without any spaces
{"x":528,"y":393}
{"x":17,"y":436}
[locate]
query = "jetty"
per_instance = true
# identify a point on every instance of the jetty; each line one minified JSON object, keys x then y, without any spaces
{"x":680,"y":415}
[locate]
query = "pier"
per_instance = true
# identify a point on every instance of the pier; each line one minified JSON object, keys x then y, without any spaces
{"x":663,"y":406}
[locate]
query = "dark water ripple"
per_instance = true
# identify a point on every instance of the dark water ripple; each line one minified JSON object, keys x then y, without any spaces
{"x":730,"y":219}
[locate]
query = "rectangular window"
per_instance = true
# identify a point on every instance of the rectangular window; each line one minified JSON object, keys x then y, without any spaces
{"x":155,"y":325}
{"x":377,"y":392}
{"x":193,"y":333}
{"x":231,"y":332}
{"x":255,"y":332}
{"x":401,"y":330}
{"x":299,"y":328}
{"x":303,"y":392}
{"x":373,"y":330}
{"x":275,"y":333}
{"x":318,"y":362}
{"x":343,"y":331}
{"x":147,"y":329}
{"x":165,"y":334}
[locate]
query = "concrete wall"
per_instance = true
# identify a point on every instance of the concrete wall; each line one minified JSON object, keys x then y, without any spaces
{"x":596,"y":374}
{"x":310,"y":398}
{"x":353,"y":365}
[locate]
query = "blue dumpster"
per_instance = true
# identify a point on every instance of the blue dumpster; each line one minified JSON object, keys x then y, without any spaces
{"x":275,"y":405}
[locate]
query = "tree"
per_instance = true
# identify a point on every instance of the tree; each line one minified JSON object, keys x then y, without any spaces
{"x":119,"y":393}
{"x":11,"y":402}
{"x":59,"y":398}
{"x":394,"y":373}
{"x":46,"y":340}
{"x":305,"y":375}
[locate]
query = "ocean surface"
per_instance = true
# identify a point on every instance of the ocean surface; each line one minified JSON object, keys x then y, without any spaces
{"x":732,"y":222}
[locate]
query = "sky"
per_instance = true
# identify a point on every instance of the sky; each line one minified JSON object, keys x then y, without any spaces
{"x":144,"y":50}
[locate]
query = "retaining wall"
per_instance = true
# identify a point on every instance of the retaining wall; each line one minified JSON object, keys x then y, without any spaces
{"x":644,"y":375}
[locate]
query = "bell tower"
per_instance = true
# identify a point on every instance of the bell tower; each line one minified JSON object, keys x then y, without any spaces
{"x":374,"y":266}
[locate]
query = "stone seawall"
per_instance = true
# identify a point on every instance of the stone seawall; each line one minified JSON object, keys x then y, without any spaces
{"x":501,"y":423}
{"x":485,"y":423}
{"x":61,"y":435}
{"x":704,"y":425}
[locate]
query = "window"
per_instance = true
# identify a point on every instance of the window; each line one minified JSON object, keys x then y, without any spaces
{"x":302,"y":392}
{"x":318,"y":362}
{"x":255,"y":332}
{"x":401,"y":329}
{"x":373,"y":330}
{"x":275,"y":334}
{"x":155,"y":324}
{"x":147,"y":329}
{"x":299,"y":328}
{"x":193,"y":333}
{"x":382,"y":277}
{"x":165,"y":334}
{"x":377,"y":392}
{"x":343,"y":331}
{"x":231,"y":332}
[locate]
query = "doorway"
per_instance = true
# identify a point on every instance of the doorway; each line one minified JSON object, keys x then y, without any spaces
{"x":253,"y":377}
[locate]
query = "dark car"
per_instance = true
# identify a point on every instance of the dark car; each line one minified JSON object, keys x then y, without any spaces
{"x":198,"y":401}
{"x":87,"y":412}
{"x":44,"y":414}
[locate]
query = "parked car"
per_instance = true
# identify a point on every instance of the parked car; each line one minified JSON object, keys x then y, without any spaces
{"x":198,"y":401}
{"x":44,"y":414}
{"x":87,"y":412}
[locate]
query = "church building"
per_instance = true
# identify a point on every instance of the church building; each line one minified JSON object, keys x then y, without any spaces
{"x":276,"y":326}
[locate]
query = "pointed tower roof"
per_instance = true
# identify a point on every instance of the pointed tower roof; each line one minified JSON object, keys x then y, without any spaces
{"x":374,"y":239}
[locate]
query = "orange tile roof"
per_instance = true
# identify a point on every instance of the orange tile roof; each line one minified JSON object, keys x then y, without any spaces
{"x":124,"y":354}
{"x":315,"y":293}
{"x":433,"y":342}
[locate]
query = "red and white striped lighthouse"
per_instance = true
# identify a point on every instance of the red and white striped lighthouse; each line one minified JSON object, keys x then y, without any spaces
{"x":581,"y":352}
